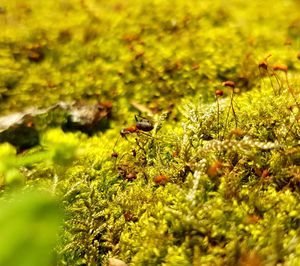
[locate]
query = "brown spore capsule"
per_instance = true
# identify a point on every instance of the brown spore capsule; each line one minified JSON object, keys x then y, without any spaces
{"x":115,"y":155}
{"x":219,"y":93}
{"x":229,"y":83}
{"x":263,"y":65}
{"x":280,"y":67}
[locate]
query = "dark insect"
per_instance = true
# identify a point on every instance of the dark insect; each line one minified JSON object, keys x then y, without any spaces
{"x":128,"y":130}
{"x":144,"y":124}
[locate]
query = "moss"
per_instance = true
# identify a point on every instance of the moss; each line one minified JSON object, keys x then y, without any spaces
{"x":215,"y":182}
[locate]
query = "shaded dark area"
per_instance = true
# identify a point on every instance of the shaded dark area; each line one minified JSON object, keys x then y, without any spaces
{"x":21,"y":136}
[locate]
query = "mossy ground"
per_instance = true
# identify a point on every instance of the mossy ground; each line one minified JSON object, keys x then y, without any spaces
{"x":216,"y":182}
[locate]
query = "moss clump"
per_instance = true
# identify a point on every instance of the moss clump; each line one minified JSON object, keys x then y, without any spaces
{"x":214,"y":182}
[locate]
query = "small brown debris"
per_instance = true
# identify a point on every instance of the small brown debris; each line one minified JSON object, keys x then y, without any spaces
{"x":161,"y":179}
{"x":129,"y":216}
{"x":250,"y":259}
{"x":288,"y":41}
{"x":130,"y":176}
{"x":133,"y":152}
{"x":30,"y":124}
{"x":130,"y":37}
{"x":105,"y":104}
{"x":214,"y":168}
{"x":195,"y":66}
{"x":139,"y":55}
{"x":252,"y":219}
{"x":236,"y":90}
{"x":265,"y":173}
{"x":116,"y":262}
{"x":237,"y":132}
{"x":175,"y":153}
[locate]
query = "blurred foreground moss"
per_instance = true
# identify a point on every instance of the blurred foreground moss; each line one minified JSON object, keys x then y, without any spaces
{"x":58,"y":149}
{"x":29,"y":228}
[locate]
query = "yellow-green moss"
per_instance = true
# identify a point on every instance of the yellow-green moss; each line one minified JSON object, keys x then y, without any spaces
{"x":216,"y":182}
